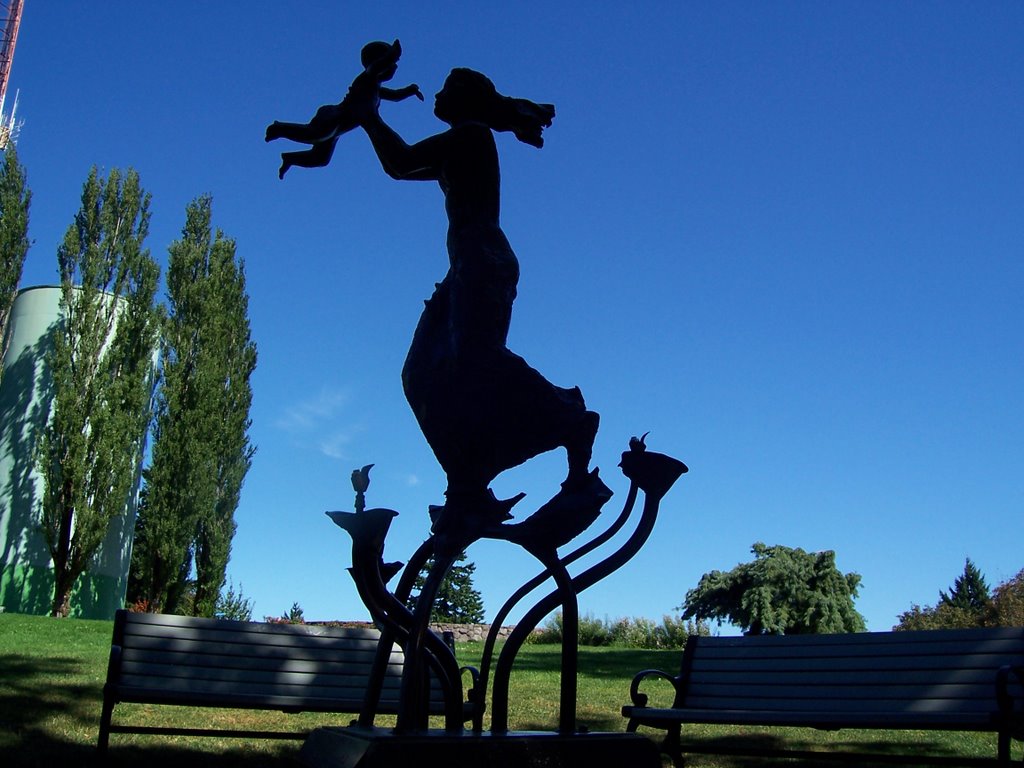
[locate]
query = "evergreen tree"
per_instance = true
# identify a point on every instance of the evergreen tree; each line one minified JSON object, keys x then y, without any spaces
{"x":201,"y":450}
{"x":783,"y":591}
{"x":102,"y":367}
{"x":458,"y":602}
{"x":969,"y":592}
{"x":15,"y":198}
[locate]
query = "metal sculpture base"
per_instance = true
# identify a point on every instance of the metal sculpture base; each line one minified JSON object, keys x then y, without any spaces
{"x":429,"y":663}
{"x":357,"y":747}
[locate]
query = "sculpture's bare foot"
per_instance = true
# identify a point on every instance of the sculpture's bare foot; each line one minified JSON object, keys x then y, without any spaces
{"x":284,"y":169}
{"x":272,"y":132}
{"x":579,"y":450}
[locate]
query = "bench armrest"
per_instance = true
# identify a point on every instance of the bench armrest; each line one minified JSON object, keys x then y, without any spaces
{"x":473,"y":706}
{"x":474,"y":673}
{"x":640,"y":699}
{"x":1003,"y":695}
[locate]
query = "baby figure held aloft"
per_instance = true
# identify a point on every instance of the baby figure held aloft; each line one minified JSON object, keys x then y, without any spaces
{"x":380,"y":62}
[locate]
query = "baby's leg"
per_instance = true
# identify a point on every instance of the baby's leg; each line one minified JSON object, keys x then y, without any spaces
{"x":316,"y":156}
{"x":305,"y":133}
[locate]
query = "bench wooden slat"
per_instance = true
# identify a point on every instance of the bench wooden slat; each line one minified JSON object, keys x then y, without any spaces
{"x":827,"y":694}
{"x":949,"y":650}
{"x":170,"y":621}
{"x":896,"y":676}
{"x":177,"y":639}
{"x":818,"y":719}
{"x":247,"y":689}
{"x":769,"y":704}
{"x":869,"y":639}
{"x":155,"y":646}
{"x":341,"y":679}
{"x":262,"y":633}
{"x":131,"y":659}
{"x":859,"y":663}
{"x":233,"y":699}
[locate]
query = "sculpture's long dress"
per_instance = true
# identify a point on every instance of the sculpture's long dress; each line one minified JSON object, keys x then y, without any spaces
{"x":482,"y":408}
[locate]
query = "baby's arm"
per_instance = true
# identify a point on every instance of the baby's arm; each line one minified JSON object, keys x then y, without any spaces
{"x":397,"y":94}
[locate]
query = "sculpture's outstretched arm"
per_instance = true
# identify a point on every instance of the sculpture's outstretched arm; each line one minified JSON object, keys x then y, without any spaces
{"x":398,"y":94}
{"x":417,"y":162}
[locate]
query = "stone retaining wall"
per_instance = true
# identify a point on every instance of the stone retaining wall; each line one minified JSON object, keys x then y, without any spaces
{"x":463,"y":633}
{"x":471,"y":632}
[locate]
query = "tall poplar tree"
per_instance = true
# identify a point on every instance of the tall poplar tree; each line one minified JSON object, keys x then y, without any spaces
{"x":201,"y":450}
{"x":102,"y":367}
{"x":15,"y":198}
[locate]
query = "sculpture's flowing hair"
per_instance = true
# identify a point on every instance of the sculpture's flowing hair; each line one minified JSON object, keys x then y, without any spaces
{"x":526,"y":119}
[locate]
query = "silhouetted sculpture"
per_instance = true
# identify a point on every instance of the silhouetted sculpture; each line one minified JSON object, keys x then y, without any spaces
{"x":380,"y":62}
{"x":482,"y":408}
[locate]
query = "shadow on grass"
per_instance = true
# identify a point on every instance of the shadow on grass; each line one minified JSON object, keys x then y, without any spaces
{"x":40,"y":750}
{"x":46,"y":710}
{"x":760,"y":749}
{"x":34,"y":688}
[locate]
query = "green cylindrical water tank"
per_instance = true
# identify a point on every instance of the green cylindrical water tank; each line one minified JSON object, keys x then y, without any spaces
{"x":26,"y":570}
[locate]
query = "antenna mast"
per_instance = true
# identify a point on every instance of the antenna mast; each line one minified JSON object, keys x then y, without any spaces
{"x":10,"y":21}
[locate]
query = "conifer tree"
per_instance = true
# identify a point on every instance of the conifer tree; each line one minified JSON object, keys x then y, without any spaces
{"x":969,"y":592}
{"x":102,"y":368}
{"x":15,"y":199}
{"x":458,"y":602}
{"x":201,"y":450}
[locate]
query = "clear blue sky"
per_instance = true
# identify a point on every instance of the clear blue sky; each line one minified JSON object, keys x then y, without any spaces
{"x":786,"y":238}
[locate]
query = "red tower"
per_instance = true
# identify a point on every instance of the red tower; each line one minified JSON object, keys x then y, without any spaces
{"x":10,"y":20}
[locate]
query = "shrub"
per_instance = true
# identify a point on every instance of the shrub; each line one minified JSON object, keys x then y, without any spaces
{"x":293,"y":616}
{"x":626,"y":632}
{"x":1008,"y":602}
{"x":592,"y":631}
{"x":674,"y":630}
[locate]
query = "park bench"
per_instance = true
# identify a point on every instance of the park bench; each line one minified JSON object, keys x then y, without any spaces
{"x":945,"y":680}
{"x":163,"y":659}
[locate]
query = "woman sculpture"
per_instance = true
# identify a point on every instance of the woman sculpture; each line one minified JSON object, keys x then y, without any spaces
{"x":482,"y":408}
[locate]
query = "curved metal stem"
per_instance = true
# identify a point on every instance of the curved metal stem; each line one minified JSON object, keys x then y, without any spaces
{"x":412,"y":701}
{"x":499,"y":620}
{"x":389,"y":635}
{"x":395,"y":617}
{"x":368,"y":529}
{"x":570,"y":652}
{"x":499,"y":721}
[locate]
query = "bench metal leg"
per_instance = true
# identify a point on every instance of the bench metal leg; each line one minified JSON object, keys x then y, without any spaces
{"x":104,"y":738}
{"x":672,"y":745}
{"x":1004,"y":748}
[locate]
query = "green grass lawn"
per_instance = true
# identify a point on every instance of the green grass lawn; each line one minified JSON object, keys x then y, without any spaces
{"x":52,"y":673}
